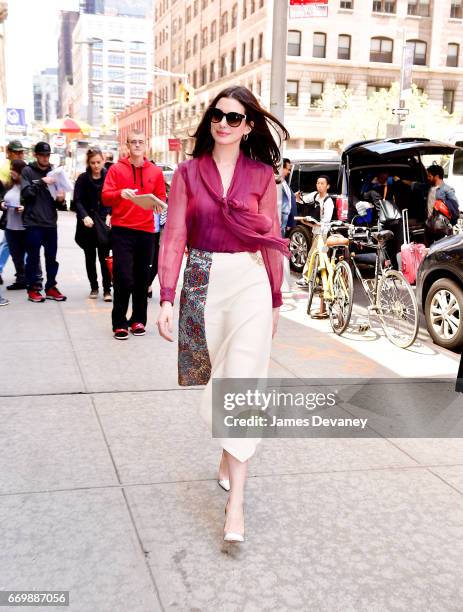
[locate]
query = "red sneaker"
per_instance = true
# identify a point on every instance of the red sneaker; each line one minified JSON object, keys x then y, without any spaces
{"x":121,"y":334}
{"x":54,"y":294}
{"x":138,"y":329}
{"x":35,"y":296}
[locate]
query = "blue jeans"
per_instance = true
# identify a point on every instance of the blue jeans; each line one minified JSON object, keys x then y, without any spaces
{"x":4,"y":253}
{"x":36,"y":237}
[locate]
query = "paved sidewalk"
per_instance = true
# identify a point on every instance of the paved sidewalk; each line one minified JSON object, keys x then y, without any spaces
{"x":107,"y":480}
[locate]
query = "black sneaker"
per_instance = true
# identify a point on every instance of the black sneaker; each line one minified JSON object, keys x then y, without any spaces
{"x":121,"y":334}
{"x":16,"y":286}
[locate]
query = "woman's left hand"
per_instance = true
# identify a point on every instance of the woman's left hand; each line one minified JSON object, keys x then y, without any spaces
{"x":275,"y":315}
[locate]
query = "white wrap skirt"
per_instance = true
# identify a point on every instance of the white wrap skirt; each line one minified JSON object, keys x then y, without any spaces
{"x":225,"y":327}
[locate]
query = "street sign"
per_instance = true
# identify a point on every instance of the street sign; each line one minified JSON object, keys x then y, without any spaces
{"x":175,"y":144}
{"x":58,"y":141}
{"x":16,"y":117}
{"x":407,"y":67}
{"x":308,"y":8}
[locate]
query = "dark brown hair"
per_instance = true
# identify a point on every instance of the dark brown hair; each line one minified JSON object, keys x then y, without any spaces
{"x":18,"y":165}
{"x":91,"y":153}
{"x":260,"y":143}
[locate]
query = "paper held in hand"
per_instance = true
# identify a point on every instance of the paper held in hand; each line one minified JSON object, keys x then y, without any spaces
{"x":148,"y":201}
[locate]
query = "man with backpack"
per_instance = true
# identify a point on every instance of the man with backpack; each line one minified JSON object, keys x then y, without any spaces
{"x":442,"y":210}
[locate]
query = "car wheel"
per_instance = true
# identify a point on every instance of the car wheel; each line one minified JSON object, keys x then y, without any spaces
{"x":443,"y":310}
{"x":300,"y":239}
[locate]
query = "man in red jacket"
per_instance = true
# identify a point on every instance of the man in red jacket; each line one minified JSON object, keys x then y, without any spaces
{"x":132,"y":233}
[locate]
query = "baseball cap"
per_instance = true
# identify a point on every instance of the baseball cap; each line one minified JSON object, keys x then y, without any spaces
{"x":42,"y":147}
{"x":15,"y":145}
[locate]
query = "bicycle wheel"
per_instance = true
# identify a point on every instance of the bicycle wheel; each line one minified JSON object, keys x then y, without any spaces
{"x":340,"y":308}
{"x":313,"y":280}
{"x":397,"y":309}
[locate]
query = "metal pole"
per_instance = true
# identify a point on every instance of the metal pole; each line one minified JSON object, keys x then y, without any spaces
{"x":90,"y":82}
{"x":278,"y":67}
{"x":402,"y":76}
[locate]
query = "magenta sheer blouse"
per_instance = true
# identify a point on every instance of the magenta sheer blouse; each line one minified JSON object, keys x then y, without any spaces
{"x":200,"y":216}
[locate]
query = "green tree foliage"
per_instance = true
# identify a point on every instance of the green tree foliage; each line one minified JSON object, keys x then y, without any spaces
{"x":354,"y":118}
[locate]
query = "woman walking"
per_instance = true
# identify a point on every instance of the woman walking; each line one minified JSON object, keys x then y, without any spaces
{"x":91,"y":220}
{"x":223,"y":205}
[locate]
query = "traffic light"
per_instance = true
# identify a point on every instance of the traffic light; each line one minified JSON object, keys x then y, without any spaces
{"x":185,"y":94}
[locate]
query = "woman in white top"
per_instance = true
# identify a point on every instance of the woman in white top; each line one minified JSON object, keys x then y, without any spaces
{"x":325,"y":203}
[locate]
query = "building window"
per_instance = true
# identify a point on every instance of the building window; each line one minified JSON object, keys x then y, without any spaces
{"x":251,"y":51}
{"x":97,"y":58}
{"x":195,"y":44}
{"x":245,"y":2}
{"x":316,"y":92}
{"x":259,"y":88}
{"x":188,"y":15}
{"x":195,"y":8}
{"x":195,"y":79}
{"x":234,"y":18}
{"x":418,"y":7}
{"x":294,"y":42}
{"x":213,"y":30}
{"x":233,"y":60}
{"x":381,"y":50}
{"x":212,"y":71}
{"x":116,"y":59}
{"x":456,"y":9}
{"x":253,"y":6}
{"x":453,"y":51}
{"x":203,"y":38}
{"x":188,"y":49}
{"x":372,"y":89}
{"x":223,"y":65}
{"x":117,"y":90}
{"x":319,"y":44}
{"x":97,"y":73}
{"x":292,"y":93}
{"x":344,"y":46}
{"x":260,"y":46}
{"x":115,"y":75}
{"x":203,"y":75}
{"x":448,"y":100}
{"x":383,"y":6}
{"x":224,"y":23}
{"x":203,"y":4}
{"x":346,"y":4}
{"x":243,"y":54}
{"x":138,"y":60}
{"x":419,"y":52}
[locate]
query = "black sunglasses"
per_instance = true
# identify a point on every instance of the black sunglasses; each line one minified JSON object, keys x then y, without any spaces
{"x":233,"y":119}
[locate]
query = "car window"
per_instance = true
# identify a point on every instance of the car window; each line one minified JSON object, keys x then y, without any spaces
{"x":458,"y":162}
{"x":309,"y":174}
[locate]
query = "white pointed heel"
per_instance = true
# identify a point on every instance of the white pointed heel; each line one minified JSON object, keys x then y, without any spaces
{"x":236,"y":538}
{"x":224,"y":483}
{"x":232,"y":536}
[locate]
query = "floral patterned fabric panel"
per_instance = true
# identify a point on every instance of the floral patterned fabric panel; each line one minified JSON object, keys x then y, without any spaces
{"x":194,"y":365}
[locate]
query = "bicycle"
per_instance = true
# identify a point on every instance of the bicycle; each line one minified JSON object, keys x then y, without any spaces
{"x":389,"y":294}
{"x":329,"y":275}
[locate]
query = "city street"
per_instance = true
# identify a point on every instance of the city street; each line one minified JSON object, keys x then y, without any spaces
{"x":108,"y":483}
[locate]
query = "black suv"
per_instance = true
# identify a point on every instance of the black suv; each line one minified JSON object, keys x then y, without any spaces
{"x":439,"y":288}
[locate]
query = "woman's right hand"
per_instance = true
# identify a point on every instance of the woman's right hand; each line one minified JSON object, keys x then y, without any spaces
{"x":165,"y":321}
{"x":88,"y":221}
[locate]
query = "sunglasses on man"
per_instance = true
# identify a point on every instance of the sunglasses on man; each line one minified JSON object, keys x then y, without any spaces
{"x":233,"y":119}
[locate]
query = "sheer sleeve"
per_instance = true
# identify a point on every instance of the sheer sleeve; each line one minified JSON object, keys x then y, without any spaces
{"x":173,"y":240}
{"x":273,"y":259}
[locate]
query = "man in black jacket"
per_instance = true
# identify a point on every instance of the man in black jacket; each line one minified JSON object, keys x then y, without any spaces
{"x":40,"y":220}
